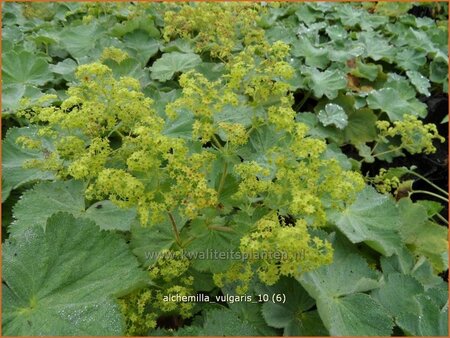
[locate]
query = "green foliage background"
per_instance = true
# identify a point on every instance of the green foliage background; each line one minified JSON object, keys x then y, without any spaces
{"x":229,"y":129}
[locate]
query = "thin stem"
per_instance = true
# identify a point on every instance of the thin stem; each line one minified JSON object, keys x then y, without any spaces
{"x":216,"y":141}
{"x":431,"y":194}
{"x":374,"y":147}
{"x":442,"y":218}
{"x":428,"y":181}
{"x":222,"y":179}
{"x":174,"y":226}
{"x":220,"y":228}
{"x":387,"y":152}
{"x":302,"y":102}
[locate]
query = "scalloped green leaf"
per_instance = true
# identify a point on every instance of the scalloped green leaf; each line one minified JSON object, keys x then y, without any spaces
{"x":210,"y":241}
{"x":333,"y":114}
{"x":12,"y":94}
{"x":374,"y":219}
{"x":415,"y":312}
{"x":225,"y":322}
{"x":429,"y":321}
{"x":25,"y":68}
{"x":419,"y":81}
{"x":410,"y":59}
{"x":391,"y":101}
{"x":349,"y":273}
{"x":165,"y":67}
{"x":293,"y":315}
{"x":141,"y":45}
{"x":64,"y":280}
{"x":327,"y":83}
{"x":338,"y":290}
{"x":251,"y":312}
{"x":367,"y":71}
{"x":46,"y":198}
{"x":147,"y":242}
{"x":13,"y":159}
{"x":79,"y":41}
{"x":423,"y":236}
{"x":397,"y":294}
{"x":354,"y":315}
{"x":314,"y":57}
{"x":377,"y":46}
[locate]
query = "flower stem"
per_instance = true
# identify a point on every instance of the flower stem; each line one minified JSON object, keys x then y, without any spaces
{"x":216,"y":141}
{"x":429,"y":182}
{"x":442,"y":218}
{"x":222,"y":179}
{"x":174,"y":227}
{"x":431,"y":194}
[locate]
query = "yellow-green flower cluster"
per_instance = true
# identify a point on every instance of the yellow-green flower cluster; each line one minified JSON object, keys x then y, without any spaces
{"x":131,"y":173}
{"x":170,"y":274}
{"x":239,"y":273}
{"x":415,"y":136}
{"x":214,"y":27}
{"x":114,"y":54}
{"x":136,"y":309}
{"x":235,"y":133}
{"x":142,"y":308}
{"x":385,"y":182}
{"x":275,"y":249}
{"x":260,"y":72}
{"x":301,"y":181}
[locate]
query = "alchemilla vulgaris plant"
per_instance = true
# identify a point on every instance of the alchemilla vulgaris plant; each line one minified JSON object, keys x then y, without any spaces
{"x":226,"y":169}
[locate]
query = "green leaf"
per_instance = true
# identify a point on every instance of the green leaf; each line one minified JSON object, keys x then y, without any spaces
{"x":377,"y":47}
{"x":109,"y":216}
{"x":438,"y":71}
{"x":65,"y":68}
{"x":338,"y":290}
{"x":423,"y":236}
{"x":170,"y":63}
{"x":293,"y":315}
{"x":129,"y":67}
{"x":414,"y":311}
{"x":225,"y":322}
{"x":79,"y":41}
{"x":327,"y":83}
{"x":365,"y":152}
{"x":178,"y":45}
{"x":374,"y":219}
{"x":390,"y":101}
{"x":212,"y":242}
{"x":212,"y":71}
{"x":393,"y":9}
{"x":143,"y":22}
{"x":349,"y":273}
{"x":47,"y":198}
{"x":397,"y":294}
{"x":333,"y":114}
{"x":410,"y":59}
{"x":258,"y":148}
{"x":13,"y":159}
{"x":12,"y":94}
{"x":147,"y":242}
{"x":251,"y":312}
{"x":141,"y":45}
{"x":419,"y":81}
{"x":63,"y":281}
{"x":314,"y":57}
{"x":367,"y":71}
{"x":429,"y":321}
{"x":25,"y":68}
{"x":354,"y":315}
{"x":180,"y":127}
